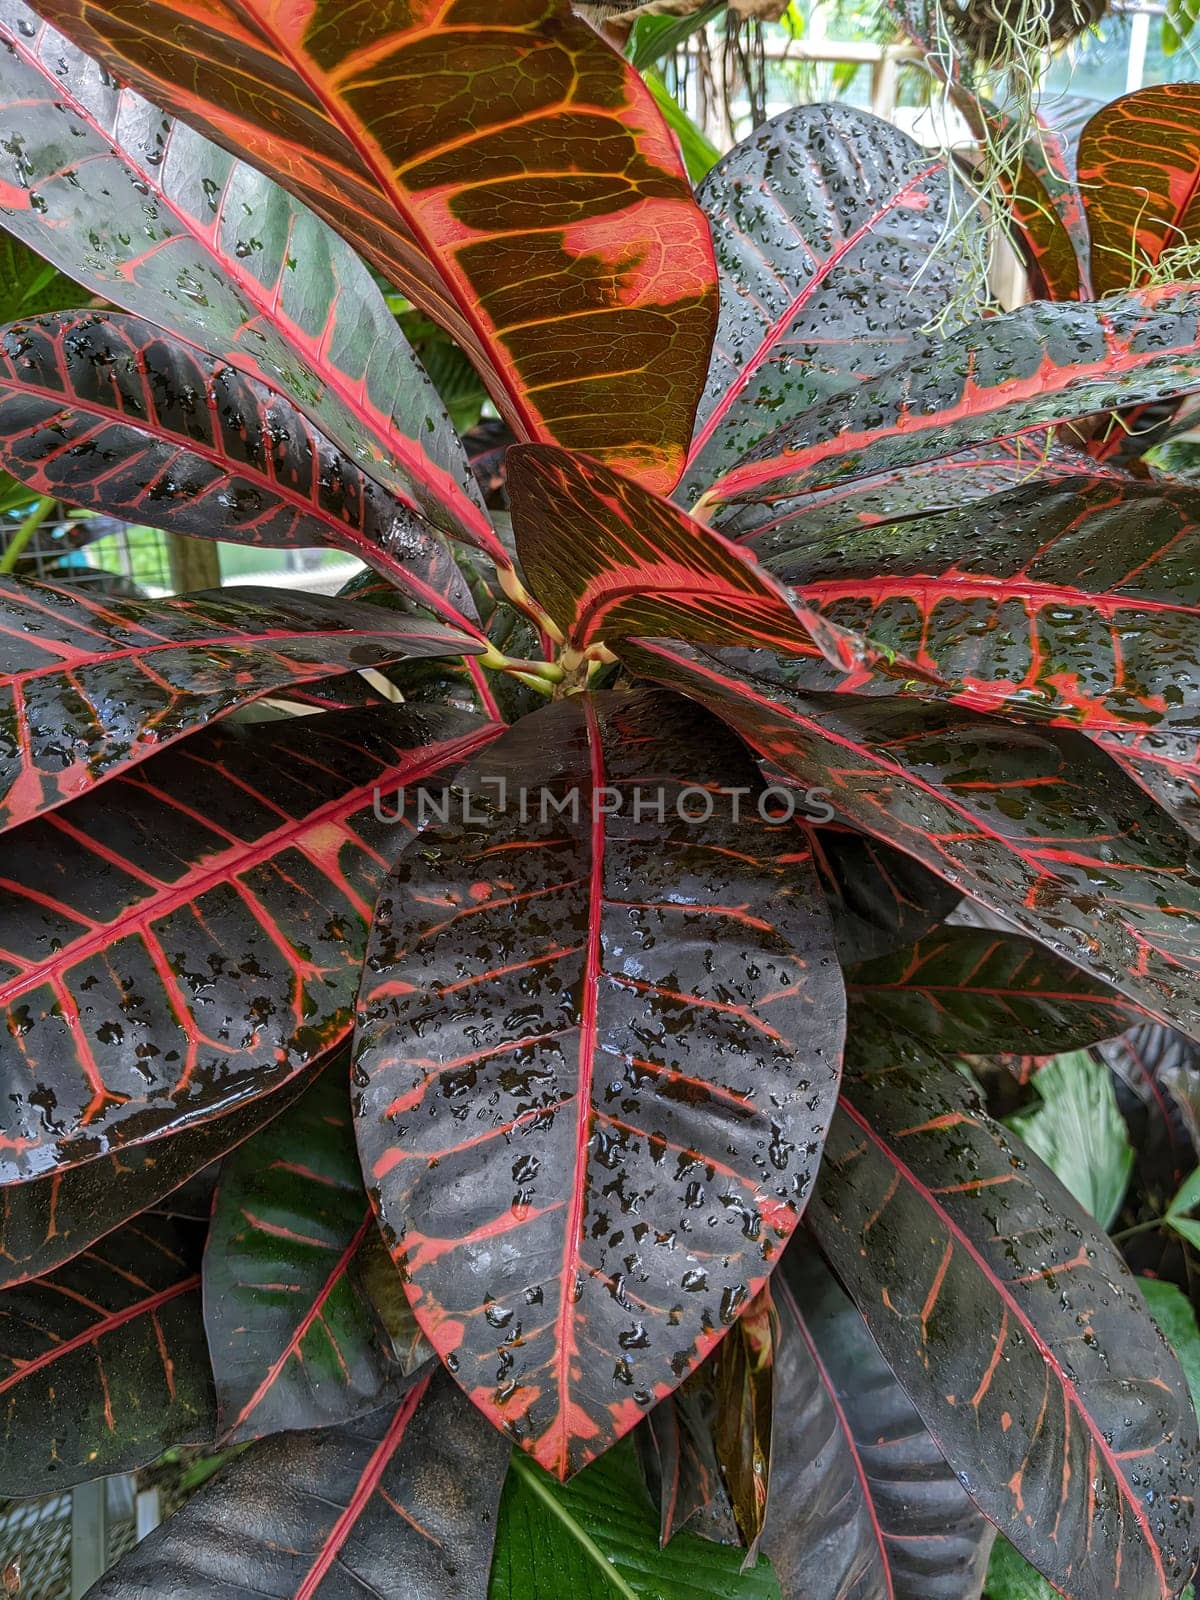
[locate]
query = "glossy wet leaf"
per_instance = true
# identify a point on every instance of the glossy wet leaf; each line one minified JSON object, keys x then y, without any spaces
{"x":596,"y":1538}
{"x":106,"y":412}
{"x":48,"y":1220}
{"x":420,"y":153}
{"x":152,"y":217}
{"x":880,"y":900}
{"x":190,"y":934}
{"x":1077,"y":1130}
{"x":864,"y":1506}
{"x":102,"y":1362}
{"x":980,"y":992}
{"x":1052,"y":1393}
{"x":295,"y":1337}
{"x":92,"y":687}
{"x":1076,"y":602}
{"x":1035,"y":824}
{"x":829,"y":227}
{"x":400,"y":1504}
{"x":1139,"y":178}
{"x":997,"y":377}
{"x":595,"y":1057}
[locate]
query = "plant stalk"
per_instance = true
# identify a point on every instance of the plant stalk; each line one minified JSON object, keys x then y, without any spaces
{"x":41,"y":510}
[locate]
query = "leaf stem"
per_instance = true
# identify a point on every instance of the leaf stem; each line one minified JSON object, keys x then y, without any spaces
{"x":1139,"y":1227}
{"x":41,"y":510}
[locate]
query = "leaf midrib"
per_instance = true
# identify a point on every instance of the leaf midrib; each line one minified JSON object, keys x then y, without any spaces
{"x":526,"y":1471}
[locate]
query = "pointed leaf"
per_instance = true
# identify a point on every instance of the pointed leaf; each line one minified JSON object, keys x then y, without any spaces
{"x":108,"y":413}
{"x":1053,"y":1395}
{"x":1139,"y":174}
{"x":745,"y":1390}
{"x":1077,"y":604}
{"x":977,"y":992}
{"x":830,"y":234}
{"x":999,"y":376}
{"x":49,"y":1220}
{"x":190,"y":936}
{"x":596,"y":1539}
{"x":400,"y":1505}
{"x":1079,"y":1133}
{"x":154,"y":218}
{"x":587,"y":1042}
{"x":1036,"y":825}
{"x":418,"y":150}
{"x":679,"y":1462}
{"x":102,"y":1363}
{"x":296,"y":1341}
{"x":864,"y":1507}
{"x":93,"y":687}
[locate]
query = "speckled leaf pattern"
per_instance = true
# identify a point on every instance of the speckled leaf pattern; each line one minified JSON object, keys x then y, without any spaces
{"x":92,"y":686}
{"x":152,"y":217}
{"x":191,"y":934}
{"x":986,"y":993}
{"x":421,"y":150}
{"x":595,"y":1056}
{"x":295,"y":1339}
{"x":103,"y":1363}
{"x":1139,"y":176}
{"x":400,"y":1505}
{"x":1076,"y":603}
{"x":999,"y":376}
{"x":825,"y":222}
{"x":1036,"y":824}
{"x":106,"y":412}
{"x":48,"y":1220}
{"x":865,"y":1507}
{"x":1013,"y":1324}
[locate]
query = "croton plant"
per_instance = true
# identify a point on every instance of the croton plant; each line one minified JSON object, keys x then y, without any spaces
{"x":539,"y":1023}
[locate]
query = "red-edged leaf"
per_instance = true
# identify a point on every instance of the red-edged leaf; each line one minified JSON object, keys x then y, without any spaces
{"x":1000,"y":376}
{"x":1139,"y":173}
{"x":154,"y":218}
{"x":1044,"y":196}
{"x":1052,"y":1394}
{"x":972,"y":990}
{"x":829,"y":227}
{"x":295,"y":1338}
{"x":106,"y":412}
{"x":595,"y":1055}
{"x":608,"y":558}
{"x":50,"y":1219}
{"x":190,"y":936}
{"x":103,"y":1363}
{"x":400,"y":1505}
{"x":1077,"y":604}
{"x":864,"y":1506}
{"x":92,"y":687}
{"x":1035,"y":824}
{"x":421,"y":151}
{"x":879,"y":899}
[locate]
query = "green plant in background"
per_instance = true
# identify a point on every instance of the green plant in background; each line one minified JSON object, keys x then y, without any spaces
{"x":529,"y":1119}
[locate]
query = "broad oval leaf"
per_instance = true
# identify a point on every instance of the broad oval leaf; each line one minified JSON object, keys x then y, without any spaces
{"x":1076,"y":603}
{"x":985,"y":993}
{"x":596,"y":1539}
{"x":295,"y":1337}
{"x":864,"y":1506}
{"x":400,"y":1505}
{"x":1053,"y":1395}
{"x":830,"y":234}
{"x":1034,"y":824}
{"x":50,"y":1219}
{"x":418,"y":150}
{"x":103,"y":1362}
{"x":105,"y":411}
{"x":152,"y":217}
{"x":91,"y":687}
{"x":1139,"y":176}
{"x":1077,"y":1130}
{"x":997,"y":377}
{"x":190,"y":936}
{"x":595,"y":1056}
